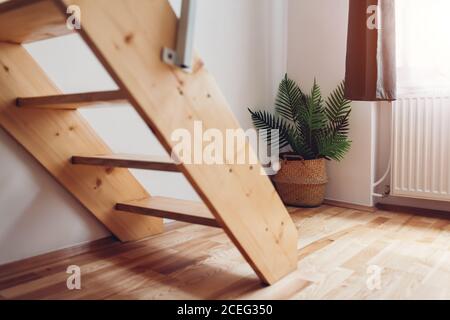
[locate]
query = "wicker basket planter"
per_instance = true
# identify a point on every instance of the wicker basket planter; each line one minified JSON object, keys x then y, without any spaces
{"x":301,"y":183}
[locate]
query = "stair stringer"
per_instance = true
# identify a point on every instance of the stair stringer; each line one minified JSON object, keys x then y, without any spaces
{"x":54,"y":136}
{"x":243,"y":201}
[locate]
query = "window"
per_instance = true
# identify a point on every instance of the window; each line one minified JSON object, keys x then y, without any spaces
{"x":423,"y":47}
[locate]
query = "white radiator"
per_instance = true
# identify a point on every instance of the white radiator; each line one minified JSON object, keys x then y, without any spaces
{"x":421,"y":148}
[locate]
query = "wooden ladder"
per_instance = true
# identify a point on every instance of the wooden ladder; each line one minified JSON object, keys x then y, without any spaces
{"x":236,"y":198}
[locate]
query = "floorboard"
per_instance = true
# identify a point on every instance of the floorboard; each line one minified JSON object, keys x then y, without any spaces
{"x":338,"y":251}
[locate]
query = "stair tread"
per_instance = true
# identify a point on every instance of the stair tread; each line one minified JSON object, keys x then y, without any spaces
{"x":147,"y":162}
{"x":171,"y":208}
{"x":73,"y":100}
{"x":23,"y":21}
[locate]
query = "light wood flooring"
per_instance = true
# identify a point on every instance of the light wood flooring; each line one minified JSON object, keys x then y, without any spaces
{"x":340,"y":253}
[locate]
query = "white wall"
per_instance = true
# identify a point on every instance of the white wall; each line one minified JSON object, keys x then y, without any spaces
{"x":36,"y":214}
{"x":316,"y":48}
{"x":243,"y":44}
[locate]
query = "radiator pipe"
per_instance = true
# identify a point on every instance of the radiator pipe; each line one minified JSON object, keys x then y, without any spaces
{"x":389,"y":166}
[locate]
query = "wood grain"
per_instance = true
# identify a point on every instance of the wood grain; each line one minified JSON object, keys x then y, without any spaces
{"x":175,"y":209}
{"x":23,"y":21}
{"x":73,"y":101}
{"x":146,"y":162}
{"x":53,"y":136}
{"x":242,"y":200}
{"x":336,"y":247}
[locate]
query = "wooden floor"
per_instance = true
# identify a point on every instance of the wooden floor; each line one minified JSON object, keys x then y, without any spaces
{"x":339,"y":251}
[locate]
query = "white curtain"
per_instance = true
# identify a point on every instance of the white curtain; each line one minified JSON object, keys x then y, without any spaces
{"x":423,"y":47}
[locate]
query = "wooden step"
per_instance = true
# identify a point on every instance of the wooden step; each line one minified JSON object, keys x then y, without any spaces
{"x":53,"y":137}
{"x":157,"y":163}
{"x":73,"y":101}
{"x":174,"y":209}
{"x":24,"y":21}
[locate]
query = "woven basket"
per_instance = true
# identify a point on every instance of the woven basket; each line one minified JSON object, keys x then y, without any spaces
{"x":301,"y":183}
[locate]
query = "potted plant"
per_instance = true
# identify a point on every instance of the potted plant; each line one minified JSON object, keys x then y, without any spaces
{"x":312,"y":130}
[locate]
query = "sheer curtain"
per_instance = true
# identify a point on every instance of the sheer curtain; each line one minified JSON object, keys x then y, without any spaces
{"x":423,"y":47}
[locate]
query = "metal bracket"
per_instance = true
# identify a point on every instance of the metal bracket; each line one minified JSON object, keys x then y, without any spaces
{"x":183,"y":54}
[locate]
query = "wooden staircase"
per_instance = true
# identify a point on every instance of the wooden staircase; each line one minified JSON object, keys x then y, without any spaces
{"x":46,"y":122}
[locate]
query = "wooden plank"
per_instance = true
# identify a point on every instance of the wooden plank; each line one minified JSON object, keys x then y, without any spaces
{"x":53,"y":136}
{"x":415,"y":264}
{"x":31,"y":20}
{"x":18,"y":268}
{"x":174,"y":209}
{"x":157,"y":163}
{"x":243,"y":201}
{"x":73,"y":101}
